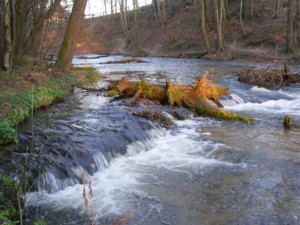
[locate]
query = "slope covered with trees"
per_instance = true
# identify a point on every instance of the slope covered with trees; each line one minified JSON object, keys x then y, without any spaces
{"x":230,"y":29}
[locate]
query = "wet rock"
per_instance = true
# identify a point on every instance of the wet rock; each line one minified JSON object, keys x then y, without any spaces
{"x":287,"y":122}
{"x":181,"y":113}
{"x":156,"y":116}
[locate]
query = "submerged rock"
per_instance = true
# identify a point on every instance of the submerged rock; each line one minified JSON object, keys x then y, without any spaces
{"x":156,"y":116}
{"x":287,"y":122}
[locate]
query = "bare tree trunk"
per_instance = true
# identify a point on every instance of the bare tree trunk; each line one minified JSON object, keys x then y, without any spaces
{"x":2,"y":30}
{"x":13,"y":30}
{"x":171,"y":7}
{"x":277,"y":5}
{"x":105,"y":8}
{"x":7,"y":38}
{"x":241,"y":18}
{"x":66,"y":52}
{"x":154,"y":4}
{"x":136,"y":23}
{"x":223,"y":13}
{"x":228,"y":16}
{"x":246,"y":9}
{"x":207,"y":12}
{"x":290,"y":27}
{"x":297,"y":25}
{"x":123,"y":18}
{"x":111,"y":7}
{"x":251,"y":8}
{"x":201,"y":16}
{"x":218,"y":26}
{"x":164,"y":21}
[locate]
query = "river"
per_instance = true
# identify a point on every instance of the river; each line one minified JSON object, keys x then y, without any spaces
{"x":201,"y":171}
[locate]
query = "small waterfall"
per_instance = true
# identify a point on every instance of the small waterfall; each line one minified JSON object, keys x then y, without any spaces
{"x":232,"y":100}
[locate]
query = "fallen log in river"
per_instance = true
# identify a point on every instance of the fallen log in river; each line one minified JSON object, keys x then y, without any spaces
{"x":202,"y":98}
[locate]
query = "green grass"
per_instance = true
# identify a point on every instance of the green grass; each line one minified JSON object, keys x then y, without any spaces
{"x":8,"y":213}
{"x":18,"y":105}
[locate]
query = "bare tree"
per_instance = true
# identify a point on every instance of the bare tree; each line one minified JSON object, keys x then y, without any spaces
{"x":207,"y":12}
{"x":2,"y":30}
{"x":136,"y":22}
{"x":8,"y":39}
{"x":161,"y":8}
{"x":241,"y":18}
{"x":297,"y":25}
{"x":218,"y":26}
{"x":277,"y":6}
{"x":201,"y":17}
{"x":290,"y":27}
{"x":105,"y":7}
{"x":123,"y":15}
{"x":66,"y":52}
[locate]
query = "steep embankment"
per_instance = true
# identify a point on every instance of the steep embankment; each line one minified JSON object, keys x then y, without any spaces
{"x":264,"y":40}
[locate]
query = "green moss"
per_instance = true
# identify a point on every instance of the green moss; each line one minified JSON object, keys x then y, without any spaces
{"x":112,"y":93}
{"x":92,"y":76}
{"x":216,"y":113}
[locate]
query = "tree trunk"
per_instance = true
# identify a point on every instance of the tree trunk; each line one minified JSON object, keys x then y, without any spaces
{"x":13,"y":31}
{"x":163,"y":19}
{"x":154,"y":4}
{"x":136,"y":23}
{"x":251,"y":8}
{"x":7,"y":38}
{"x":297,"y":25}
{"x":290,"y":27}
{"x":66,"y":52}
{"x":203,"y":26}
{"x":218,"y":26}
{"x":123,"y":18}
{"x":171,"y":7}
{"x":246,"y":9}
{"x":241,"y":18}
{"x":111,"y":7}
{"x":277,"y":6}
{"x":105,"y":8}
{"x":2,"y":30}
{"x":207,"y":12}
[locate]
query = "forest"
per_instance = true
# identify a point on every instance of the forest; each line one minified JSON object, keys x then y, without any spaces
{"x":161,"y":112}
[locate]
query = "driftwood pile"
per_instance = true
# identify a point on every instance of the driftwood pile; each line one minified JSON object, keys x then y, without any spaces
{"x":198,"y":97}
{"x":269,"y":78}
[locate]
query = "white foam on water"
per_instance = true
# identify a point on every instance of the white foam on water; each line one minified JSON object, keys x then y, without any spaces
{"x":235,"y":100}
{"x":117,"y":187}
{"x":281,"y":106}
{"x":260,"y":89}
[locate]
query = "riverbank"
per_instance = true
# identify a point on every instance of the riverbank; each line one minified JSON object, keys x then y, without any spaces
{"x":32,"y":87}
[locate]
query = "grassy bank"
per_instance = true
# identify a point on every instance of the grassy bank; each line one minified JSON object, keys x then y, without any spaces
{"x":33,"y":87}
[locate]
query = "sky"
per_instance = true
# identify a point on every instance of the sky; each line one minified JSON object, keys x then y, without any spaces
{"x":96,"y":7}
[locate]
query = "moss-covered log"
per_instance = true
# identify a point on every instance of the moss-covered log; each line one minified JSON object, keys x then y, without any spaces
{"x":194,"y":97}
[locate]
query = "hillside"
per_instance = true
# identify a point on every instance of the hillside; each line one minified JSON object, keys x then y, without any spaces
{"x":264,"y":40}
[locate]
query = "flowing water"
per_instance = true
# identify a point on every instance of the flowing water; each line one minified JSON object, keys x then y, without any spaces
{"x":201,"y":171}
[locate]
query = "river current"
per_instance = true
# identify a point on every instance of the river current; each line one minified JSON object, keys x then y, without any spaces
{"x":200,"y":171}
